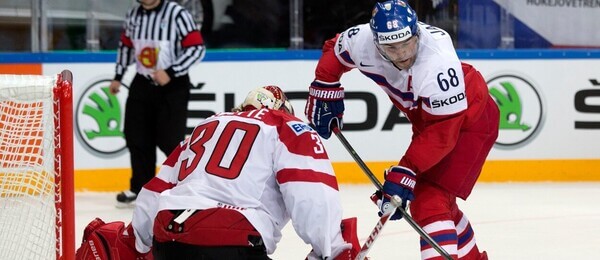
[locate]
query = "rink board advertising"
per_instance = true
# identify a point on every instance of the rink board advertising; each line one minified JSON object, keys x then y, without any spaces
{"x":549,"y":104}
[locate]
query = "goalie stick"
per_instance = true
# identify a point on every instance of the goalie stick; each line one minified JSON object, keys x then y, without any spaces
{"x":377,"y":184}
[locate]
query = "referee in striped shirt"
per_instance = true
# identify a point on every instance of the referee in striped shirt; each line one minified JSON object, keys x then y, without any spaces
{"x":163,"y":40}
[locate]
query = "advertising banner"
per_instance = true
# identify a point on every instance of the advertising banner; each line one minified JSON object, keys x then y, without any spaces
{"x":550,"y":113}
{"x":527,"y":24}
{"x":564,"y":23}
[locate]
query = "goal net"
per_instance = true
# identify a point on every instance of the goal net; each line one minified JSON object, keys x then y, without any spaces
{"x":36,"y":167}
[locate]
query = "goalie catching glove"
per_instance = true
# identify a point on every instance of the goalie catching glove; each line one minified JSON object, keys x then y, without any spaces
{"x":109,"y":241}
{"x":399,"y":181}
{"x":324,"y":106}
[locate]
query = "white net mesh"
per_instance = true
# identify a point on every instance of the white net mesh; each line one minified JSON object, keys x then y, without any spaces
{"x":27,"y":187}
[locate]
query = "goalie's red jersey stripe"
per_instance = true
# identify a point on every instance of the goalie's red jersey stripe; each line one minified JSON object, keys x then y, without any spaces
{"x":303,"y":175}
{"x":158,"y":185}
{"x":174,"y":156}
{"x":304,"y":144}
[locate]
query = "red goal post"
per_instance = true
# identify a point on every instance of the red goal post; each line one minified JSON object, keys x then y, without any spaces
{"x":37,"y":213}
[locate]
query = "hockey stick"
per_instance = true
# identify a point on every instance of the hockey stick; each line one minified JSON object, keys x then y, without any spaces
{"x":377,"y":184}
{"x":364,"y":250}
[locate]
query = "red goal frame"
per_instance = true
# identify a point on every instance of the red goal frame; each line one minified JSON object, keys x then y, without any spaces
{"x":64,"y":166}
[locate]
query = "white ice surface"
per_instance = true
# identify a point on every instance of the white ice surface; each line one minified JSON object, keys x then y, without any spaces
{"x":511,"y":221}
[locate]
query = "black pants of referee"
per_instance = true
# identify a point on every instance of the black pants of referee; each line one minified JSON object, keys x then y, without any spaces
{"x":155,"y":116}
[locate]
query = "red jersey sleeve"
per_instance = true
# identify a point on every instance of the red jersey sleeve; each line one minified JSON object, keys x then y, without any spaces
{"x":329,"y":68}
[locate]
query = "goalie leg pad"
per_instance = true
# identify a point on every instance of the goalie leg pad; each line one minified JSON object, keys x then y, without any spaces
{"x":349,"y":234}
{"x":109,"y":241}
{"x":92,"y":247}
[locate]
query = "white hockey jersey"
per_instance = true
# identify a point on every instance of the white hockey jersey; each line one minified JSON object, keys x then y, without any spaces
{"x":434,"y":93}
{"x":267,"y":165}
{"x":435,"y":76}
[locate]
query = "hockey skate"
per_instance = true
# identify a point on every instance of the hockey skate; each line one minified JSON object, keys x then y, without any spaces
{"x":126,"y":199}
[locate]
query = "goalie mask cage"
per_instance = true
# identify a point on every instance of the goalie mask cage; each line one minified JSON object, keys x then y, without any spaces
{"x":37,"y":216}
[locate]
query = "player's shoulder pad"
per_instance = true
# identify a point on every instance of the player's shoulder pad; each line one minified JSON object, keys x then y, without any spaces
{"x":298,"y":127}
{"x":351,"y":42}
{"x":354,"y":35}
{"x":434,"y":32}
{"x":358,"y":29}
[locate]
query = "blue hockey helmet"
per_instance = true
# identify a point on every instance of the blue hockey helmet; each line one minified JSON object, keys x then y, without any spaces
{"x":393,"y":21}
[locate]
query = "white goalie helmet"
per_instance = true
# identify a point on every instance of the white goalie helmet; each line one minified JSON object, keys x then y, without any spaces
{"x":270,"y":96}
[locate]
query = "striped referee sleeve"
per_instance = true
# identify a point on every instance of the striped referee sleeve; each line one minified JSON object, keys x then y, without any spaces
{"x":125,"y":52}
{"x":191,"y":43}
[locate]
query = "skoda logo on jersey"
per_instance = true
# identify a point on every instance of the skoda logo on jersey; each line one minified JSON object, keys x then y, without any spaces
{"x":438,"y":103}
{"x":521,"y":109}
{"x":99,"y":119}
